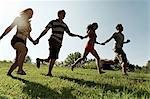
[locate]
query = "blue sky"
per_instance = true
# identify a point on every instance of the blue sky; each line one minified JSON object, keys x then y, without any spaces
{"x":133,"y":14}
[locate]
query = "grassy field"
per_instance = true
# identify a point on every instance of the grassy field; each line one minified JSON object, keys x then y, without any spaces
{"x":79,"y":84}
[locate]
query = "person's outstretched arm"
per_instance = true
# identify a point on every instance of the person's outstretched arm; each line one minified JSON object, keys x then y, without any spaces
{"x":30,"y":38}
{"x":107,"y":40}
{"x":126,"y":42}
{"x":49,"y":25}
{"x":98,"y":43}
{"x":72,"y":34}
{"x":41,"y":35}
{"x":85,"y":36}
{"x":75,"y":35}
{"x":8,"y":29}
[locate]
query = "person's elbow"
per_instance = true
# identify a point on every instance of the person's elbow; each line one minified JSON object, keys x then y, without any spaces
{"x":46,"y":30}
{"x":8,"y":29}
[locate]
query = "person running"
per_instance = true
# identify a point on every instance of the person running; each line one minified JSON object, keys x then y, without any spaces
{"x":120,"y":54}
{"x":18,"y":41}
{"x":55,"y":42}
{"x":90,"y":47}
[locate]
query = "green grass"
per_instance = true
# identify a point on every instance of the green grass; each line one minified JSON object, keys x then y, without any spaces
{"x":79,"y":84}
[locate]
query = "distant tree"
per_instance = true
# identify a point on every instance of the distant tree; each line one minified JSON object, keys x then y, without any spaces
{"x":148,"y":65}
{"x":146,"y":68}
{"x":6,"y":61}
{"x":71,"y":58}
{"x":137,"y":67}
{"x":131,"y":67}
{"x":59,"y":64}
{"x":27,"y":59}
{"x":89,"y":64}
{"x":90,"y":60}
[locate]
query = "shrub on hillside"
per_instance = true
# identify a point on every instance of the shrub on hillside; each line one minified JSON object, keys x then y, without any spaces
{"x":89,"y":65}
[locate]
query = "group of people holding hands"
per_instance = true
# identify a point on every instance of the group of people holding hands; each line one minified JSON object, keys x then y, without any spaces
{"x":58,"y":27}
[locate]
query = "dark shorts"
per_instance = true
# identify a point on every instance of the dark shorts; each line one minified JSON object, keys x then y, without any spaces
{"x":121,"y":56}
{"x":16,"y":39}
{"x":54,"y":49}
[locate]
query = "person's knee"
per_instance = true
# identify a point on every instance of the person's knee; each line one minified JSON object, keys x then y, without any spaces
{"x":124,"y":59}
{"x":97,"y":58}
{"x":16,"y":62}
{"x":20,"y":63}
{"x":24,"y":50}
{"x":82,"y":58}
{"x":116,"y":61}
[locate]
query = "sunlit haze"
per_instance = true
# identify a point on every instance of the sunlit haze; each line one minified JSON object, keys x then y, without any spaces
{"x":133,"y":14}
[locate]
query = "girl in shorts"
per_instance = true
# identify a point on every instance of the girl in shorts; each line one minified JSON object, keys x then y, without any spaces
{"x":18,"y":41}
{"x":90,"y":46}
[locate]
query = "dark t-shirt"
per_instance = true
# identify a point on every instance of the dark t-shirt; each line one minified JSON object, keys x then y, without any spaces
{"x":119,"y":38}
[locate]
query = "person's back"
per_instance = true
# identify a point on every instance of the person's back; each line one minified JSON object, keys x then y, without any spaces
{"x":91,"y":35}
{"x":23,"y":26}
{"x":119,"y":38}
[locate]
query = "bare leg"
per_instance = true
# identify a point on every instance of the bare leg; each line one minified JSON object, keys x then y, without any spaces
{"x":22,"y":58}
{"x":118,"y":56}
{"x":80,"y":59}
{"x":123,"y":59}
{"x":21,"y":52}
{"x":124,"y":68}
{"x":13,"y":67}
{"x":99,"y":64}
{"x":51,"y":65}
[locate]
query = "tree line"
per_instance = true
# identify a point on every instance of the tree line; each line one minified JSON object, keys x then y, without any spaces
{"x":90,"y":64}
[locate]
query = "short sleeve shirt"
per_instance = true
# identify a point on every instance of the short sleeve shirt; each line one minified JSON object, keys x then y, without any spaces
{"x":58,"y":29}
{"x":119,"y":38}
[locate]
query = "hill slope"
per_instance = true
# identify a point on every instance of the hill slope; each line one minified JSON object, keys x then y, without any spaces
{"x":67,"y":84}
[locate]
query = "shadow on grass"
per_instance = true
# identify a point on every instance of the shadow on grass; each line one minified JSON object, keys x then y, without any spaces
{"x":140,"y":80}
{"x":4,"y":97}
{"x":107,"y":87}
{"x":36,"y":90}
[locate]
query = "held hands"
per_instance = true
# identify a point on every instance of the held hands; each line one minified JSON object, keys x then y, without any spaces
{"x":102,"y":43}
{"x":36,"y":41}
{"x":81,"y":37}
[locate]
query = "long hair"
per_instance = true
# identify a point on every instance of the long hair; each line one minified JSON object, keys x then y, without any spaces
{"x":24,"y":11}
{"x":95,"y":24}
{"x":91,"y":26}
